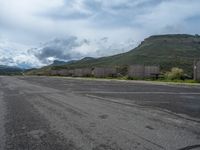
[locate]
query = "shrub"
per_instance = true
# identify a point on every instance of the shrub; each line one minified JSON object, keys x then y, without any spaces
{"x":175,"y":74}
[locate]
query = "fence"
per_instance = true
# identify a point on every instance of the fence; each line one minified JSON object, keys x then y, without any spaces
{"x":53,"y":72}
{"x":63,"y":72}
{"x":84,"y":72}
{"x":71,"y":72}
{"x":136,"y":71}
{"x":141,"y":71}
{"x":101,"y":72}
{"x":151,"y":71}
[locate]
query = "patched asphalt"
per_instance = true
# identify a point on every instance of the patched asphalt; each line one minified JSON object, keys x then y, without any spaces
{"x":64,"y":113}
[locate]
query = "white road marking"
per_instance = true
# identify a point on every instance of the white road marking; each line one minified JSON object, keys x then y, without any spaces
{"x":169,"y":93}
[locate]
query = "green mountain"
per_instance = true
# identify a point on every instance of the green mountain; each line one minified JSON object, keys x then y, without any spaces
{"x":7,"y":70}
{"x":177,"y":50}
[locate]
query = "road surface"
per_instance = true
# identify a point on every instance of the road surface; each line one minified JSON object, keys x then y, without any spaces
{"x":49,"y":113}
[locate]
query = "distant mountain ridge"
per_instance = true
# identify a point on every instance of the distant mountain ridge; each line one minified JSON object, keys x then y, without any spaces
{"x":10,"y":70}
{"x":173,"y":50}
{"x":58,"y":62}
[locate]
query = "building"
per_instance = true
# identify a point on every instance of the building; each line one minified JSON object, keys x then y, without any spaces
{"x":142,"y":71}
{"x":197,"y":70}
{"x":101,"y":72}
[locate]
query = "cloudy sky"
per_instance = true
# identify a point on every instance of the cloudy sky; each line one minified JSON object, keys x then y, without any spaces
{"x":33,"y":33}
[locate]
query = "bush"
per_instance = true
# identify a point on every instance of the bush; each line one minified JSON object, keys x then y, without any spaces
{"x":175,"y":74}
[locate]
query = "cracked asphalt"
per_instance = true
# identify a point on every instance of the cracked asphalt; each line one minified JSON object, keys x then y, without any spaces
{"x":51,"y":113}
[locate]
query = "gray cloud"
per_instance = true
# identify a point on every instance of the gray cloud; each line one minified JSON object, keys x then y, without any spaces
{"x":8,"y":60}
{"x":70,"y":10}
{"x":72,"y":48}
{"x":58,"y":49}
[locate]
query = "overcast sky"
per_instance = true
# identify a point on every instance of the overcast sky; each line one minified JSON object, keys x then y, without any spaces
{"x":33,"y":33}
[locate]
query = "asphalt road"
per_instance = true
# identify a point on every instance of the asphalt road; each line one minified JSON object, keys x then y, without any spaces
{"x":47,"y":113}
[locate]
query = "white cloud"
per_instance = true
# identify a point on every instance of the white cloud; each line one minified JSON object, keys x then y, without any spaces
{"x":14,"y":54}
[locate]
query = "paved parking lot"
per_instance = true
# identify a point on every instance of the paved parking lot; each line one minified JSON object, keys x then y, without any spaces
{"x":65,"y":113}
